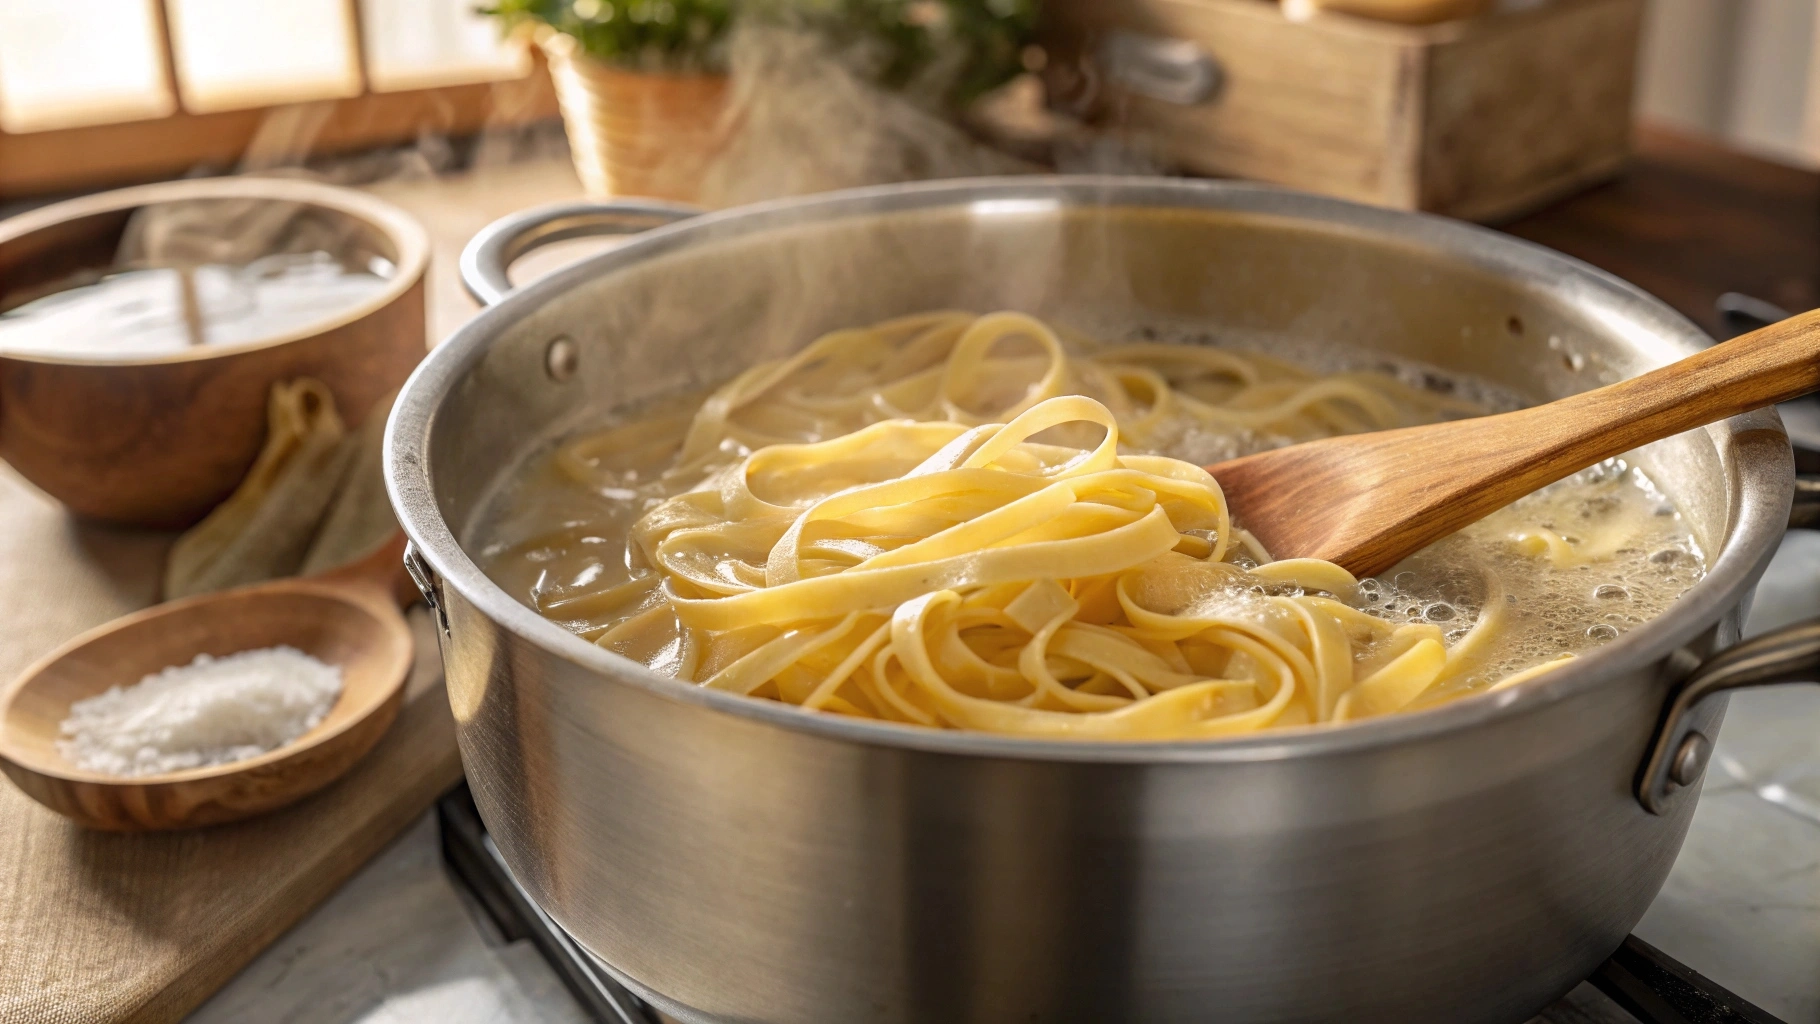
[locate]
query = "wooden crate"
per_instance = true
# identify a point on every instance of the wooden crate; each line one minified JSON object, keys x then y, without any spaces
{"x":1481,"y":119}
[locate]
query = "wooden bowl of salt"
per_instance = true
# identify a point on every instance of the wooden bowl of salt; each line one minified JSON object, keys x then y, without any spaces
{"x":313,"y":667}
{"x":141,"y":331}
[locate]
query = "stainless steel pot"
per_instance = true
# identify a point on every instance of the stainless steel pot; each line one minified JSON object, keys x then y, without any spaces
{"x":738,"y":860}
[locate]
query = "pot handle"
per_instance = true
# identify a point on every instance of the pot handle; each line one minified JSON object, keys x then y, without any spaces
{"x":1679,"y":752}
{"x":491,"y":253}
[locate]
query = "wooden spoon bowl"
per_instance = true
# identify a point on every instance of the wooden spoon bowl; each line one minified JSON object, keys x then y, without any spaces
{"x":352,"y":623}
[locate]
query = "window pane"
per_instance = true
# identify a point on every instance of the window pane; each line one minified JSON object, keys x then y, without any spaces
{"x":248,"y":53}
{"x":61,"y":67}
{"x":414,"y":44}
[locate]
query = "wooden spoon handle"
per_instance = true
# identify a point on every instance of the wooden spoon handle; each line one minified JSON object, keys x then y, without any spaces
{"x":1515,"y":453}
{"x":1769,"y":365}
{"x":1366,"y":501}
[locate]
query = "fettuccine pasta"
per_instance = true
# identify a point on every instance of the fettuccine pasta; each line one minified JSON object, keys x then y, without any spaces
{"x":962,"y":522}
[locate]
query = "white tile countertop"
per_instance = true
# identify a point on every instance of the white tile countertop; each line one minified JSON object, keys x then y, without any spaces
{"x":399,"y":943}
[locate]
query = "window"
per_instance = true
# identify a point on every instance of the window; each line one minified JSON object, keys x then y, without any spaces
{"x":415,"y":44}
{"x":102,"y":92}
{"x":59,"y":70}
{"x":233,"y":54}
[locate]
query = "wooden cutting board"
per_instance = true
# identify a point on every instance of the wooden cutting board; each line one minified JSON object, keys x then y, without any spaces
{"x":98,"y":927}
{"x":101,"y":927}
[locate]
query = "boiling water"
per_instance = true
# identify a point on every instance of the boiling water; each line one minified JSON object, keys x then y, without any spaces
{"x":154,"y":311}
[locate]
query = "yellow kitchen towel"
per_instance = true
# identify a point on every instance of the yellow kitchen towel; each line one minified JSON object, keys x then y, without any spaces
{"x":314,"y":499}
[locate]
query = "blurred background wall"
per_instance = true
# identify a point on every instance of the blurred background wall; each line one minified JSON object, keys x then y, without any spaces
{"x":1743,"y":71}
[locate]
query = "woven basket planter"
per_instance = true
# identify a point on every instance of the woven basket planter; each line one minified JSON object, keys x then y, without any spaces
{"x":635,"y":133}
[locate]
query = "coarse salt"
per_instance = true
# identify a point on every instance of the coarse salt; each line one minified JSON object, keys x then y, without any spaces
{"x":209,"y":712}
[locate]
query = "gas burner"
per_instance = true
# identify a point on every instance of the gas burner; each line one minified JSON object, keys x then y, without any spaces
{"x":1641,"y":984}
{"x":476,"y":865}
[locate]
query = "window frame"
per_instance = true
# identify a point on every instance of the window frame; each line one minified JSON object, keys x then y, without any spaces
{"x":98,"y":155}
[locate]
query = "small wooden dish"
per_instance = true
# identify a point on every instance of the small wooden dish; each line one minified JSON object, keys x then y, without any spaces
{"x":350,"y":623}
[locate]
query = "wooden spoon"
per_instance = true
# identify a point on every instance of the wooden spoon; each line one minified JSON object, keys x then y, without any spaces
{"x":348,"y":617}
{"x":1366,"y":501}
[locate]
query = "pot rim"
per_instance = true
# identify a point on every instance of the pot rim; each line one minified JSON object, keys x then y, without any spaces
{"x":1753,"y":446}
{"x":392,"y":223}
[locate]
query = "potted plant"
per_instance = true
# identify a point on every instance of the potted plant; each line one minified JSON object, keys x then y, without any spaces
{"x":947,"y":52}
{"x":643,"y":84}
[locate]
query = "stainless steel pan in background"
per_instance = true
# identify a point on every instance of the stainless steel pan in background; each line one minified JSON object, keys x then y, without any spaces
{"x":739,"y":860}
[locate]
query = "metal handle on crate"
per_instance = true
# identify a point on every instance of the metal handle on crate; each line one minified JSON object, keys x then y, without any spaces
{"x":1171,"y":70}
{"x":1679,"y":753}
{"x":491,"y":253}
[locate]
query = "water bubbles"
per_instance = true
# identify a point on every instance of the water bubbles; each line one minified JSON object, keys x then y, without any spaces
{"x":1440,"y":611}
{"x":1668,"y":556}
{"x":1602,"y":472}
{"x":1438,"y":383}
{"x":1600,"y":633}
{"x":1593,"y":506}
{"x":1611,"y":592}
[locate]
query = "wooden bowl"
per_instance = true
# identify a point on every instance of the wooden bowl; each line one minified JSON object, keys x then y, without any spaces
{"x":159,"y":441}
{"x":362,"y":632}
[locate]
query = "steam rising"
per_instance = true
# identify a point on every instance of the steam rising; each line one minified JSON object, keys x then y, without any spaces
{"x":804,"y":116}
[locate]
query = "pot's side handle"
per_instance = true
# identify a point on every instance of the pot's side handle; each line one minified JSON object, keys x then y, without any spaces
{"x":1804,"y":513}
{"x":418,"y":568}
{"x":491,"y":253}
{"x":1679,"y":753}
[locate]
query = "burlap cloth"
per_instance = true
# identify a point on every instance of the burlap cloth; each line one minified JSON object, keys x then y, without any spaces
{"x":106,"y":927}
